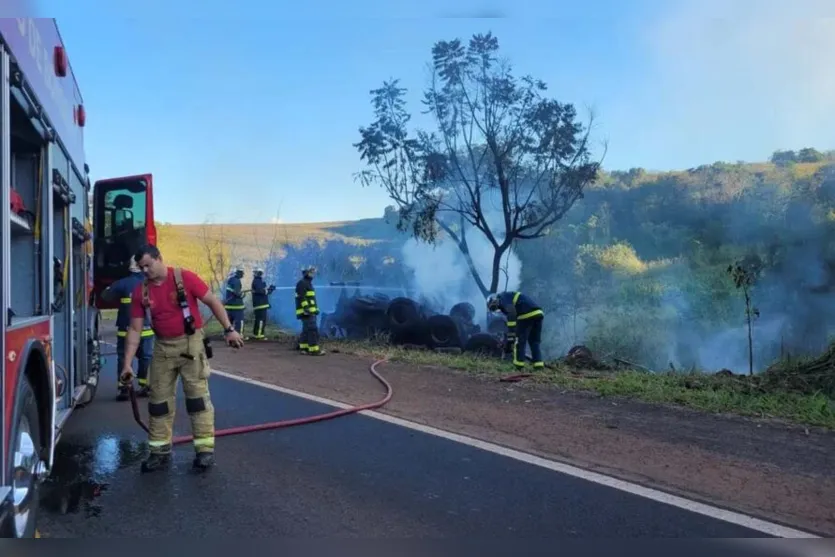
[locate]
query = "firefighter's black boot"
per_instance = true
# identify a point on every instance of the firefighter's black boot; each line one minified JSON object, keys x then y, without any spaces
{"x":156,"y":462}
{"x":204,"y":460}
{"x":123,"y":394}
{"x":144,"y":391}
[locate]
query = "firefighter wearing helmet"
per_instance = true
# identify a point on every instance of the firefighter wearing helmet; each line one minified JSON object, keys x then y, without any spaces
{"x":234,"y":299}
{"x":524,"y":325}
{"x":260,"y":302}
{"x":307,"y":311}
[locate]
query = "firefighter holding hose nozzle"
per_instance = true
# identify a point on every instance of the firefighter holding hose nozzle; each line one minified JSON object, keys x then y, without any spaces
{"x":307,"y":311}
{"x":260,"y":302}
{"x":524,"y":325}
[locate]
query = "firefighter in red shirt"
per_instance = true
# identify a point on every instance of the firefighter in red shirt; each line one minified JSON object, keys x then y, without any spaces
{"x":170,"y":296}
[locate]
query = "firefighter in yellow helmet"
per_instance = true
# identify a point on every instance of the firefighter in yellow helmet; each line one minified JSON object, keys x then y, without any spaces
{"x":307,"y":311}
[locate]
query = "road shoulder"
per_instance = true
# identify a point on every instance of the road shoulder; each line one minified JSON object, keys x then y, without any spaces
{"x":769,"y":469}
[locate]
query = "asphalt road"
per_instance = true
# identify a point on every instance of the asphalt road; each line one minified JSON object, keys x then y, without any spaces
{"x":354,"y":476}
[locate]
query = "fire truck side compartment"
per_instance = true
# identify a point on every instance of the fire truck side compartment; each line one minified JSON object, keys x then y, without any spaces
{"x":38,"y":284}
{"x":29,"y":269}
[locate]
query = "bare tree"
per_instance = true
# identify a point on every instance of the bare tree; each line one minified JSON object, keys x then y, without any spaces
{"x":745,"y":274}
{"x":219,"y":253}
{"x":505,"y":161}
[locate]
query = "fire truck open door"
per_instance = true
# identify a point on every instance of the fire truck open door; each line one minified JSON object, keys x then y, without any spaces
{"x":123,"y":220}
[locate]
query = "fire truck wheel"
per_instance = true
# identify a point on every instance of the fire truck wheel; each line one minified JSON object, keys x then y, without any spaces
{"x":26,"y":446}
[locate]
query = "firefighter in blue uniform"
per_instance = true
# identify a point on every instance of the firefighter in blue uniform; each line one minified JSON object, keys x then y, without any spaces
{"x":122,"y":290}
{"x":234,"y":299}
{"x":307,"y":311}
{"x":524,"y":325}
{"x":260,"y":302}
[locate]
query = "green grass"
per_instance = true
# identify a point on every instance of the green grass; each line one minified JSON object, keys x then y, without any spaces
{"x":709,"y":393}
{"x":213,"y":329}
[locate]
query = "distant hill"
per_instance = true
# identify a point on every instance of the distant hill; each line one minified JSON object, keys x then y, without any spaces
{"x":657,"y":213}
{"x":195,"y":245}
{"x":638,"y":267}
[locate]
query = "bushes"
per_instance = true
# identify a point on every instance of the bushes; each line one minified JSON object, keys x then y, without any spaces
{"x":630,"y":332}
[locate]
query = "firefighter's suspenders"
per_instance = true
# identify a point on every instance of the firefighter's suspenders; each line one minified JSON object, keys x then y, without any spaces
{"x":188,"y":318}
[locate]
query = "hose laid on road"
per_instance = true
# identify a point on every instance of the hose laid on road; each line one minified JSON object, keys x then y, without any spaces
{"x":515,"y":378}
{"x":283,"y":423}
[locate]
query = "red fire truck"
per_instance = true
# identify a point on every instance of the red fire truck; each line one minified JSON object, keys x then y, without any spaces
{"x":50,"y":251}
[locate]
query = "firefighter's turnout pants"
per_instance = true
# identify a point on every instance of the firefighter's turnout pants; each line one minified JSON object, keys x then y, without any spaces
{"x":144,"y":354}
{"x":260,"y":322}
{"x":528,"y":332}
{"x":171,"y":360}
{"x":236,"y":317}
{"x":309,"y":338}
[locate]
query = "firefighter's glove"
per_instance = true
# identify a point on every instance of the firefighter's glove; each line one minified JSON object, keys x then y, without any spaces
{"x":271,"y":289}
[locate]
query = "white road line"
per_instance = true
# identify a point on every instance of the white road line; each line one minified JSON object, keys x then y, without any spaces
{"x":717,"y":513}
{"x":732,"y":517}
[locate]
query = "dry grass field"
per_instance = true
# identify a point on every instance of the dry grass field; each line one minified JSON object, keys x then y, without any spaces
{"x":195,"y":245}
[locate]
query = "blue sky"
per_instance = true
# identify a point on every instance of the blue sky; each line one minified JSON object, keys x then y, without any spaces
{"x":247,"y":118}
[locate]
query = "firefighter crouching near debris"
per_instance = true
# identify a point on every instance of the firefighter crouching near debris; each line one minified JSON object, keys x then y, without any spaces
{"x":234,"y":301}
{"x":169,"y":297}
{"x":524,"y":325}
{"x":260,"y":302}
{"x":307,"y":311}
{"x":122,"y":290}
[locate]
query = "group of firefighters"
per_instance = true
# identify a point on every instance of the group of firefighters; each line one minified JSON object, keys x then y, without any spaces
{"x":159,"y":323}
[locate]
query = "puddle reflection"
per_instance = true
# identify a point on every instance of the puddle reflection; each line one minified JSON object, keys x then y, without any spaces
{"x":82,"y":472}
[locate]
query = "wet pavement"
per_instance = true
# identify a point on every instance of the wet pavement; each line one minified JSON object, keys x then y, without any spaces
{"x":354,"y":476}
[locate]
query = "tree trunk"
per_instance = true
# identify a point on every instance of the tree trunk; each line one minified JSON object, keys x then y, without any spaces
{"x":750,"y":335}
{"x":461,"y":242}
{"x":497,"y":268}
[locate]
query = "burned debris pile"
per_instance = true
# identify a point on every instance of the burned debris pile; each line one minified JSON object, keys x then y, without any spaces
{"x":580,"y":357}
{"x":405,"y":321}
{"x":802,"y":375}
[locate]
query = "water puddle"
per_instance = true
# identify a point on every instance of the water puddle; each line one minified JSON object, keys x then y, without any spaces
{"x":82,"y":472}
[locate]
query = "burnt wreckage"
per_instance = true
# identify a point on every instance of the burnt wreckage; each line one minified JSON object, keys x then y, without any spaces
{"x":406,"y":321}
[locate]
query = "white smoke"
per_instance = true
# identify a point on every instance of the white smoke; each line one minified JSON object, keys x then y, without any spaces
{"x":442,"y":276}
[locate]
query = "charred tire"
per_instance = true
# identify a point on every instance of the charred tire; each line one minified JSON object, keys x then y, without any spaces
{"x":403,"y":315}
{"x":375,"y":322}
{"x":484,"y":344}
{"x":366,"y":303}
{"x":445,"y":332}
{"x":26,"y":445}
{"x":463,"y":311}
{"x":417,"y":334}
